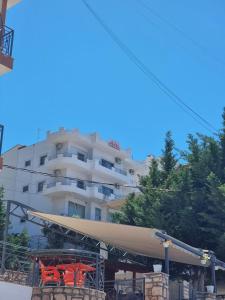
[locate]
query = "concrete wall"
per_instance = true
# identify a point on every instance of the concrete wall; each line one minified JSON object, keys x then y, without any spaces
{"x":12,"y":291}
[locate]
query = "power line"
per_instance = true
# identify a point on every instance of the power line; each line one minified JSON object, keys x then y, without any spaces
{"x":61,"y":176}
{"x":180,"y":31}
{"x":166,"y":90}
{"x":85,"y":180}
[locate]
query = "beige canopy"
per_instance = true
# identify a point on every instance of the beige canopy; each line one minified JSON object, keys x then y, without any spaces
{"x":133,"y":239}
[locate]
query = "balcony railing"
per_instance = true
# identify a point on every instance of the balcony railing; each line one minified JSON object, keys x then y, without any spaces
{"x":79,"y":183}
{"x":112,"y":168}
{"x":69,"y":155}
{"x":6,"y":40}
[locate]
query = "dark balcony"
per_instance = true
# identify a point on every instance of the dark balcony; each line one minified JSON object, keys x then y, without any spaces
{"x":6,"y":40}
{"x":6,"y":48}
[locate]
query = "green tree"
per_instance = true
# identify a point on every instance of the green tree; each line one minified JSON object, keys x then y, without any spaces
{"x":168,"y":160}
{"x":185,"y":198}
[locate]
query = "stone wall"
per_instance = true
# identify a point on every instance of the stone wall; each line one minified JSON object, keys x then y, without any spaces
{"x":15,"y":277}
{"x":156,"y":286}
{"x":66,"y":293}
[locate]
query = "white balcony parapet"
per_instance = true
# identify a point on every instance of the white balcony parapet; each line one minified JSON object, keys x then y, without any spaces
{"x":68,"y":160}
{"x":66,"y":186}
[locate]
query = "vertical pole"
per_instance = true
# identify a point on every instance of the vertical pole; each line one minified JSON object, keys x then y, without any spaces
{"x":1,"y":137}
{"x":134,"y":282}
{"x":97,"y":273}
{"x":5,"y":237}
{"x":167,"y":261}
{"x":213,"y":272}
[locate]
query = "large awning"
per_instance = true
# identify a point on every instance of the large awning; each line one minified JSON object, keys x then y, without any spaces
{"x":133,"y":239}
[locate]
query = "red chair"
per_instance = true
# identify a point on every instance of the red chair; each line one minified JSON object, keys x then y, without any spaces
{"x":68,"y":274}
{"x":80,"y":278}
{"x":49,"y":274}
{"x":74,"y":274}
{"x":81,"y":270}
{"x":69,"y":277}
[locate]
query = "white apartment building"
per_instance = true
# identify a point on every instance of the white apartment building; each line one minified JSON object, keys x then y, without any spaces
{"x":69,"y":153}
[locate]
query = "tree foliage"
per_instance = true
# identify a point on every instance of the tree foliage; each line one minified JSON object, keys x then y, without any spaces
{"x":185,"y":198}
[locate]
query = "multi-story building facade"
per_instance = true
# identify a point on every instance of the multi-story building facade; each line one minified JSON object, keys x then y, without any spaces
{"x":6,"y":38}
{"x":75,"y":161}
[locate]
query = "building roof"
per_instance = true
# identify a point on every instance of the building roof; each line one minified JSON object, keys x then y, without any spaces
{"x":16,"y":147}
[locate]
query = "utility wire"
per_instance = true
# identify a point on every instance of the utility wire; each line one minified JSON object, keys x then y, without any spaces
{"x":180,"y":31}
{"x":134,"y":58}
{"x":85,"y":180}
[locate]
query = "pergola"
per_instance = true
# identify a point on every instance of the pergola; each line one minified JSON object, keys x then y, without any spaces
{"x":143,"y":241}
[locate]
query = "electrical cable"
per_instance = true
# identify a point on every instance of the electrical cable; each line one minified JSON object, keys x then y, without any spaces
{"x":180,"y":31}
{"x":134,"y":58}
{"x":84,"y":180}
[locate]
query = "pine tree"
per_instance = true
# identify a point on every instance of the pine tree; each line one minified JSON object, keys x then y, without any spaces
{"x":222,"y":145}
{"x":193,"y":208}
{"x":168,"y":160}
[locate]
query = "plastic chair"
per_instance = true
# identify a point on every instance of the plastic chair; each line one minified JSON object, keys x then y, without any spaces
{"x":69,"y":277}
{"x":49,"y":274}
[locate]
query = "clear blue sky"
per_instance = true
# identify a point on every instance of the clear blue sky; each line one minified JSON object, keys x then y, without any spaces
{"x":68,"y":72}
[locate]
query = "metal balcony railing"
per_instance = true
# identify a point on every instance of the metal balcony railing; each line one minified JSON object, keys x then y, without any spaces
{"x":6,"y":40}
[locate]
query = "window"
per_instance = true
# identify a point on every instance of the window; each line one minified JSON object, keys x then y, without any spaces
{"x":40,"y":186}
{"x":81,"y":156}
{"x":98,"y":214}
{"x":106,"y":190}
{"x":110,"y":217}
{"x":25,"y":188}
{"x":107,"y":164}
{"x":81,"y":184}
{"x":42,"y":160}
{"x":76,"y":210}
{"x":27,"y":163}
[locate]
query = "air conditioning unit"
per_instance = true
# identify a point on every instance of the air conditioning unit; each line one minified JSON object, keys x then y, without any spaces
{"x":118,"y":160}
{"x":59,"y":146}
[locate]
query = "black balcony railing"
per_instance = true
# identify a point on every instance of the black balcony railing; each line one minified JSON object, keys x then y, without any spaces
{"x":6,"y":40}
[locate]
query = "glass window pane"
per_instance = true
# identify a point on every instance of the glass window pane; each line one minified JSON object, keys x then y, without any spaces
{"x":98,"y":214}
{"x":76,"y":210}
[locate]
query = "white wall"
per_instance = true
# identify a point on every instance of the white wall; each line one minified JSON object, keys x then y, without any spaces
{"x":13,"y":181}
{"x":12,"y":291}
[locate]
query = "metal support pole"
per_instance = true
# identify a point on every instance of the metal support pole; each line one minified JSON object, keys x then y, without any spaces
{"x":213,"y":272}
{"x":167,"y":261}
{"x":5,"y":237}
{"x":1,"y":137}
{"x":97,"y":273}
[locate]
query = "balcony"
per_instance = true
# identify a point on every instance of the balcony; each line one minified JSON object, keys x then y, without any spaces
{"x":66,"y":160}
{"x":98,"y":193}
{"x":113,"y":174}
{"x":6,"y":47}
{"x":60,"y":188}
{"x":80,"y":190}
